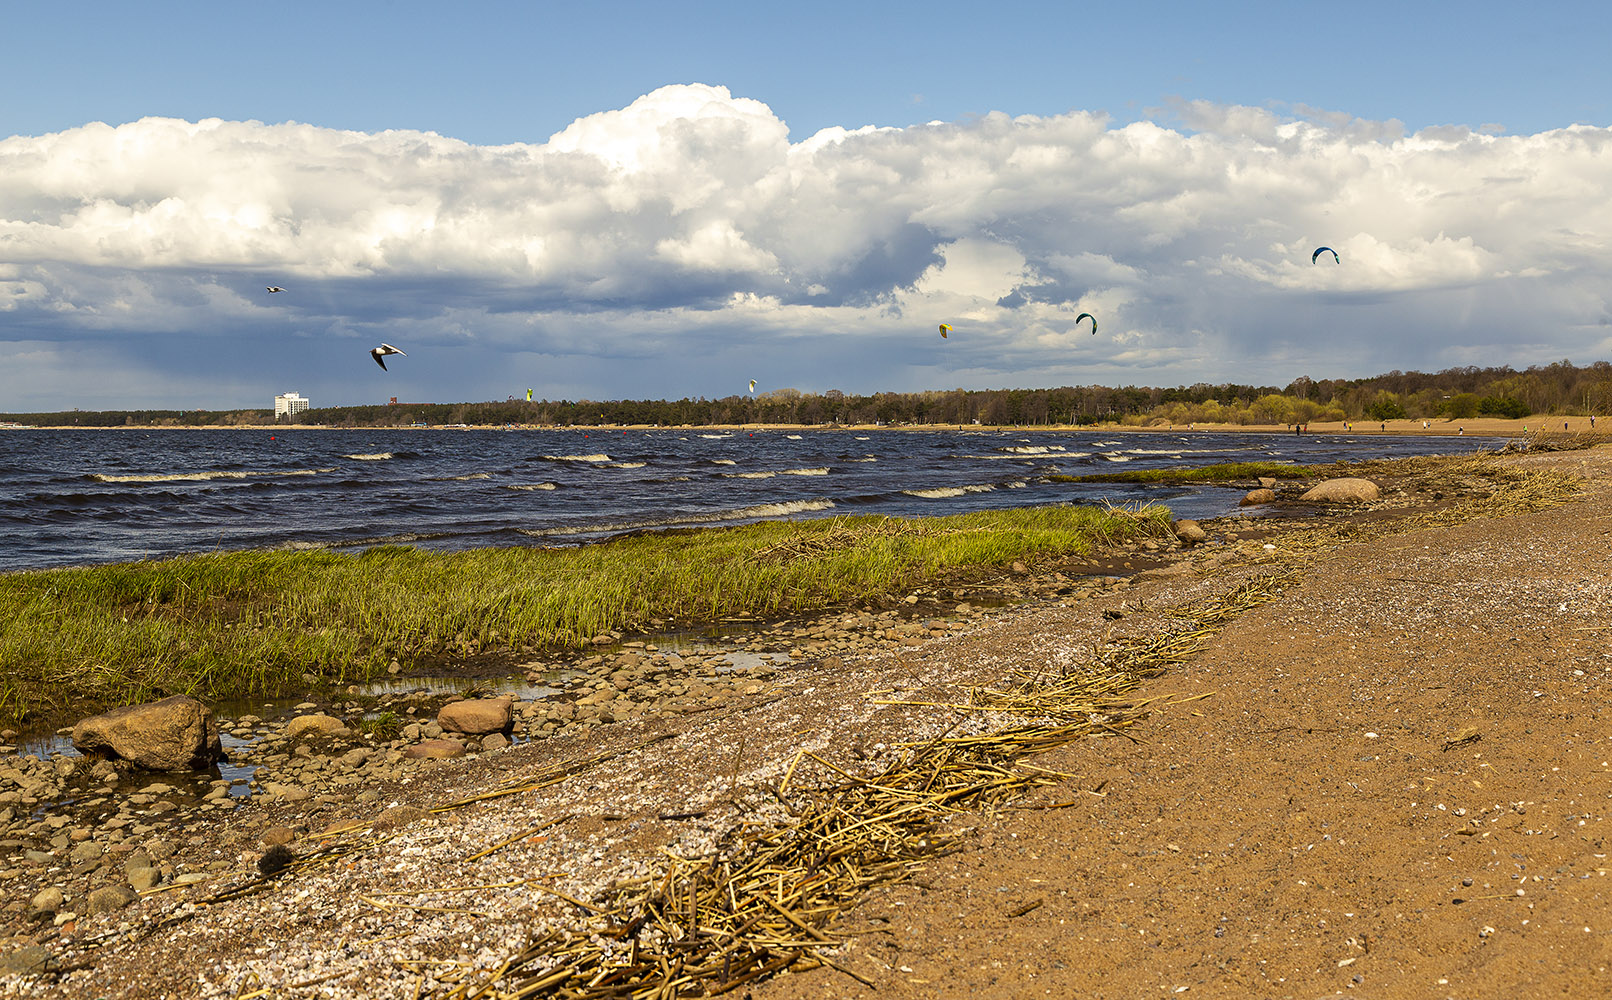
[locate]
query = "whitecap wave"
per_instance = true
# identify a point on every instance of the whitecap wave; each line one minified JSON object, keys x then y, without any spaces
{"x":1115,"y":457}
{"x":792,"y":437}
{"x":1032,"y":449}
{"x":370,"y":456}
{"x":531,"y":486}
{"x":862,"y":439}
{"x":942,"y":492}
{"x":715,"y":437}
{"x":818,"y":471}
{"x":175,"y":477}
{"x":723,"y":461}
{"x":625,"y":465}
{"x":747,"y":475}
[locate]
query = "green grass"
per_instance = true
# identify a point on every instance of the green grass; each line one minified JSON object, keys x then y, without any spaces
{"x":1222,"y":473}
{"x":246,"y":624}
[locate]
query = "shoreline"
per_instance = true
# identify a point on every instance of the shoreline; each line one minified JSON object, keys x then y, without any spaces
{"x":1248,"y":743}
{"x":1532,"y":427}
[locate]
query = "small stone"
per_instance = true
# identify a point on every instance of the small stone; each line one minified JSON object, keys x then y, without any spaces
{"x":48,"y":900}
{"x":109,"y":899}
{"x":435,"y":749}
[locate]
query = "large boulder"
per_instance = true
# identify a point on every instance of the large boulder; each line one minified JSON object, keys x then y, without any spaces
{"x":1345,"y":490}
{"x":174,"y":734}
{"x":1254,"y":498}
{"x":477,"y":716}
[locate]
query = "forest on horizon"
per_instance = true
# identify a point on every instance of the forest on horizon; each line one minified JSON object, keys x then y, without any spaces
{"x":1561,"y":388}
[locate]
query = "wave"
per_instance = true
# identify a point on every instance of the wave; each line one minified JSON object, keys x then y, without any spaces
{"x":173,"y":477}
{"x":862,"y":439}
{"x":596,"y":457}
{"x":792,"y":437}
{"x":943,"y":492}
{"x":1032,"y":449}
{"x":722,"y":461}
{"x":870,"y":458}
{"x":531,"y":486}
{"x":1116,"y":457}
{"x":747,"y":475}
{"x":756,"y":512}
{"x":371,"y":456}
{"x":818,"y":471}
{"x":715,"y":437}
{"x":625,"y":465}
{"x":468,"y":475}
{"x":1173,"y":451}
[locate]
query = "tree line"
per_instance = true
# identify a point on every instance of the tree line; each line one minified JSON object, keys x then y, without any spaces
{"x":1455,"y":393}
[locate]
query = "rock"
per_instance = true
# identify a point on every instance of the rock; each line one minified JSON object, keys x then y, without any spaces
{"x":435,"y":749}
{"x":277,"y":835}
{"x":1267,"y":482}
{"x":477,"y":717}
{"x":48,"y":900}
{"x":174,"y":734}
{"x":27,"y":960}
{"x":1255,"y":497}
{"x":285,"y":793}
{"x":1190,"y":532}
{"x":141,"y":879}
{"x":109,"y":899}
{"x":494,"y":741}
{"x":397,"y":816}
{"x":86,"y":853}
{"x":1345,"y":490}
{"x":318,"y":725}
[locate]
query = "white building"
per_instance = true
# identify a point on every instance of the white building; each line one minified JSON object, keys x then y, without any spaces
{"x":289,"y":405}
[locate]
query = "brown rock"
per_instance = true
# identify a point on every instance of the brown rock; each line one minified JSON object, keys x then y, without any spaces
{"x":435,"y":749}
{"x":109,"y":899}
{"x":1345,"y":490}
{"x":319,"y":725}
{"x":1190,"y":532}
{"x":1255,"y":497}
{"x":174,"y":734}
{"x":477,"y":717}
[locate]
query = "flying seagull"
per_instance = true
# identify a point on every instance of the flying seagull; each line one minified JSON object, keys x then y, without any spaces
{"x":275,"y":288}
{"x":382,"y":351}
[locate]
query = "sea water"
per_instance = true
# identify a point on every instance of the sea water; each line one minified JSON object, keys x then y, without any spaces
{"x":72,"y":497}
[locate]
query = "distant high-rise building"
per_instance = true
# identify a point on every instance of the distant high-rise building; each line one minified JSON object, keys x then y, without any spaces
{"x":289,"y":405}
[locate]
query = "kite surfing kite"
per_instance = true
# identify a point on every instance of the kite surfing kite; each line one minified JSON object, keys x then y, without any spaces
{"x":752,"y":385}
{"x":945,"y":328}
{"x":1321,"y":250}
{"x":1090,"y":317}
{"x":275,"y":288}
{"x":382,"y":351}
{"x":528,"y":395}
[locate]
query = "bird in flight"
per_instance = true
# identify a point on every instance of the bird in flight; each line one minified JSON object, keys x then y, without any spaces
{"x":275,"y":288}
{"x":382,"y":351}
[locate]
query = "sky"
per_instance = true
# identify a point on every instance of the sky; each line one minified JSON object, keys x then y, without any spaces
{"x":613,"y":200}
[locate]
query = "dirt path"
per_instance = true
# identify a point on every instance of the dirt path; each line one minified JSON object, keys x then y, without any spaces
{"x":1398,"y":787}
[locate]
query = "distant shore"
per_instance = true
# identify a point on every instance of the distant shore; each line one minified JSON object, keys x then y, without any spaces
{"x":1478,"y":426}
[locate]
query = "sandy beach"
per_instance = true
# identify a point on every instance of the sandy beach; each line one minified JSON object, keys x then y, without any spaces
{"x":1387,"y":780}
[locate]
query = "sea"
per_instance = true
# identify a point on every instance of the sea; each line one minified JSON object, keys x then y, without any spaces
{"x":79,"y":497}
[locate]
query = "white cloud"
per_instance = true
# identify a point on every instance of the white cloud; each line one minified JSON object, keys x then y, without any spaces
{"x":688,"y":215}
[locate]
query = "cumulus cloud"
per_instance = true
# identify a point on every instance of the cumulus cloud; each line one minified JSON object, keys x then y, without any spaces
{"x":653,"y":246}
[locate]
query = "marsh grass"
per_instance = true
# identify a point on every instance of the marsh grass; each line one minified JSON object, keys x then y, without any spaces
{"x":1223,"y":472}
{"x":248,"y":624}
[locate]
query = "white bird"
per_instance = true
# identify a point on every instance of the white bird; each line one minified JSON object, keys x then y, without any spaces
{"x":382,"y":351}
{"x":275,"y":288}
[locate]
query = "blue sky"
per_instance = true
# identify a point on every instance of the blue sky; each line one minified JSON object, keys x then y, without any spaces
{"x":622,"y":200}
